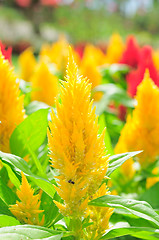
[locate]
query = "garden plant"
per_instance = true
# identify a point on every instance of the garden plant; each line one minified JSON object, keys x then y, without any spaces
{"x":79,"y":142}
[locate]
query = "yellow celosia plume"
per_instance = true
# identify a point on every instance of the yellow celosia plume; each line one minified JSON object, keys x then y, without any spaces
{"x":152,"y":180}
{"x":155,"y":57}
{"x":57,"y":53}
{"x":76,"y":150}
{"x":27,"y":210}
{"x":90,"y":70}
{"x":92,"y":59}
{"x":127,"y":168}
{"x":27,"y":64}
{"x":94,"y":54}
{"x":99,"y":215}
{"x":115,"y":49}
{"x":141,"y":130}
{"x":11,"y":104}
{"x":44,"y":84}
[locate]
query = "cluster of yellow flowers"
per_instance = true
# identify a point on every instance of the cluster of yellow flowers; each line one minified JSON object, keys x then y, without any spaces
{"x":53,"y":59}
{"x":77,"y":152}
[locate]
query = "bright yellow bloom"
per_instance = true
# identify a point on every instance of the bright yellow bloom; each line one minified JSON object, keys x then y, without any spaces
{"x":115,"y":49}
{"x":11,"y":105}
{"x":141,"y":130}
{"x":57,"y":53}
{"x":44,"y":84}
{"x":152,"y":180}
{"x":127,"y":168}
{"x":94,"y":54}
{"x":76,"y":150}
{"x":99,"y":215}
{"x":90,"y":70}
{"x":92,"y":58}
{"x":27,"y":64}
{"x":27,"y":211}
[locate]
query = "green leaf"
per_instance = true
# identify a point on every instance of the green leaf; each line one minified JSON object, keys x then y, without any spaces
{"x":8,"y":221}
{"x":28,"y":232}
{"x":4,"y":208}
{"x":115,"y":68}
{"x":30,"y":134}
{"x":107,"y":140}
{"x":13,"y":178}
{"x":118,"y":159}
{"x":23,"y":166}
{"x":115,"y":93}
{"x":35,"y":106}
{"x":139,"y":208}
{"x":151,"y":196}
{"x":139,"y":232}
{"x":6,"y":194}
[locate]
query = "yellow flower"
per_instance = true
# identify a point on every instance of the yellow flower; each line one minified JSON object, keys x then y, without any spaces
{"x":44,"y":84}
{"x":115,"y":49}
{"x":155,"y":57}
{"x":99,"y":215}
{"x":11,"y":105}
{"x":90,"y":70}
{"x":152,"y":180}
{"x":92,"y":58}
{"x":57,"y":53}
{"x":141,"y":130}
{"x":27,"y":211}
{"x":94,"y":54}
{"x":76,"y":150}
{"x":27,"y":64}
{"x":127,"y":168}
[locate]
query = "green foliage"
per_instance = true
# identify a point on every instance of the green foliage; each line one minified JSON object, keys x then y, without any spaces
{"x":28,"y":232}
{"x":139,"y":208}
{"x":118,"y":159}
{"x":139,"y":232}
{"x":30,"y":134}
{"x":23,"y":166}
{"x":112,"y":93}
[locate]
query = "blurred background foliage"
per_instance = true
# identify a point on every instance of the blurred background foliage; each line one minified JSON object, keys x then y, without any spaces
{"x":32,"y":22}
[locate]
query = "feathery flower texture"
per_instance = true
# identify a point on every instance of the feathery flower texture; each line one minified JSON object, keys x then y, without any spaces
{"x":76,"y":150}
{"x":27,"y":211}
{"x":11,"y":104}
{"x":141,"y":130}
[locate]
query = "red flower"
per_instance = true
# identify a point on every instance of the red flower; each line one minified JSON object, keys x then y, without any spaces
{"x":50,"y":2}
{"x":131,"y":54}
{"x":135,"y":77}
{"x":122,"y":112}
{"x":79,"y":48}
{"x":23,"y":3}
{"x":7,"y":53}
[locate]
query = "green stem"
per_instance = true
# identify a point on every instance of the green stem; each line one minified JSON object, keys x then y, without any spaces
{"x":76,"y":228}
{"x":37,"y":163}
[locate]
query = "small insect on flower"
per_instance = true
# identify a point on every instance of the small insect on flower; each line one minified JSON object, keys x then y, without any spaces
{"x":77,"y":151}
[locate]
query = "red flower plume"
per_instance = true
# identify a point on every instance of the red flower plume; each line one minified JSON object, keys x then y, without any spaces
{"x":23,"y":3}
{"x":135,"y":77}
{"x":131,"y":54}
{"x":7,"y":53}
